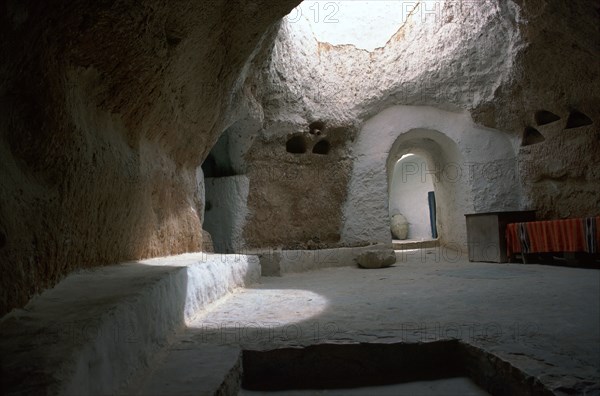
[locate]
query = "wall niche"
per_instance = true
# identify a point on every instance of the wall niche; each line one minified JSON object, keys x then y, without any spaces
{"x":296,"y":145}
{"x":577,"y":119}
{"x":322,"y":147}
{"x":316,"y":128}
{"x":531,"y":136}
{"x":544,"y":117}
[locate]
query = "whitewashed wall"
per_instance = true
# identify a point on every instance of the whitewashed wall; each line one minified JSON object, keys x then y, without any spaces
{"x":475,"y":171}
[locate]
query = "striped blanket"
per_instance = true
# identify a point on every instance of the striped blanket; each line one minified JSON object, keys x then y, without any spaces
{"x":568,"y":235}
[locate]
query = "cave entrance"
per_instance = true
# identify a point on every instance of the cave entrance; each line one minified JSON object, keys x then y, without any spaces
{"x":412,"y":199}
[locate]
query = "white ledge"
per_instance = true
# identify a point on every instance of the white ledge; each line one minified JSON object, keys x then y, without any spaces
{"x":95,"y":329}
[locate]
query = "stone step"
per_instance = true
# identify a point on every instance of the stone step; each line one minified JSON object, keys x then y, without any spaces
{"x":414,"y":244}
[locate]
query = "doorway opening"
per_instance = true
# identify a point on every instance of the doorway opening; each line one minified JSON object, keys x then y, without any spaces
{"x":412,"y":200}
{"x":226,"y":190}
{"x":420,"y":162}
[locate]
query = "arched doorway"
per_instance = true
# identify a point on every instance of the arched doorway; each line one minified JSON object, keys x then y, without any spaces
{"x":412,"y":199}
{"x":436,"y":165}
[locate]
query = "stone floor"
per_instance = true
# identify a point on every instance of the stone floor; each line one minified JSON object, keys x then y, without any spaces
{"x":545,"y":320}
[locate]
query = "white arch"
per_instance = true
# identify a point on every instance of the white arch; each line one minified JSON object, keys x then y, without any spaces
{"x":483,"y":162}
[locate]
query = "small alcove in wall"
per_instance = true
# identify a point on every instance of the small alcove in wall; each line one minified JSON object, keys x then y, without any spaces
{"x":577,"y":119}
{"x":316,"y":127}
{"x":296,"y":145}
{"x":544,"y":117}
{"x":531,"y":136}
{"x":321,"y":147}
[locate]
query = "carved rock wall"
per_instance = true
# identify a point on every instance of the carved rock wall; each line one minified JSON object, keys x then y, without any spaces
{"x":108,"y":110}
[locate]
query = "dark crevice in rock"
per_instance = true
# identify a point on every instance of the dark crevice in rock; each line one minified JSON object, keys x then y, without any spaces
{"x":578,"y":119}
{"x":531,"y":136}
{"x":544,"y":117}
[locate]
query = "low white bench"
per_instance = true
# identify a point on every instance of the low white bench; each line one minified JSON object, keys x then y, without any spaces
{"x":92,"y":332}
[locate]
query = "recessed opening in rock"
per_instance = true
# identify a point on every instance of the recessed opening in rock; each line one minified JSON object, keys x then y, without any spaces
{"x":425,"y":187}
{"x":316,"y":128}
{"x":296,"y":145}
{"x":370,"y":365}
{"x":412,"y":199}
{"x":544,"y":117}
{"x":577,"y":119}
{"x":218,"y":162}
{"x":531,"y":136}
{"x":321,"y":147}
{"x":225,"y":192}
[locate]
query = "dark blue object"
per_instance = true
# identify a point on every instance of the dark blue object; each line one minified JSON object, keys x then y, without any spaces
{"x":432,"y":214}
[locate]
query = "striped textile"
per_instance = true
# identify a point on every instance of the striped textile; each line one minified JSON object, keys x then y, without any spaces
{"x":552,"y":236}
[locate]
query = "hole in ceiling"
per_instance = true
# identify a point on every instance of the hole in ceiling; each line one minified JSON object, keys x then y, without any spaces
{"x":365,"y":24}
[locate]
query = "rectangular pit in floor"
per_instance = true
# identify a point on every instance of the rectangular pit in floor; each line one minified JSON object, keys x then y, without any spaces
{"x":348,"y":366}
